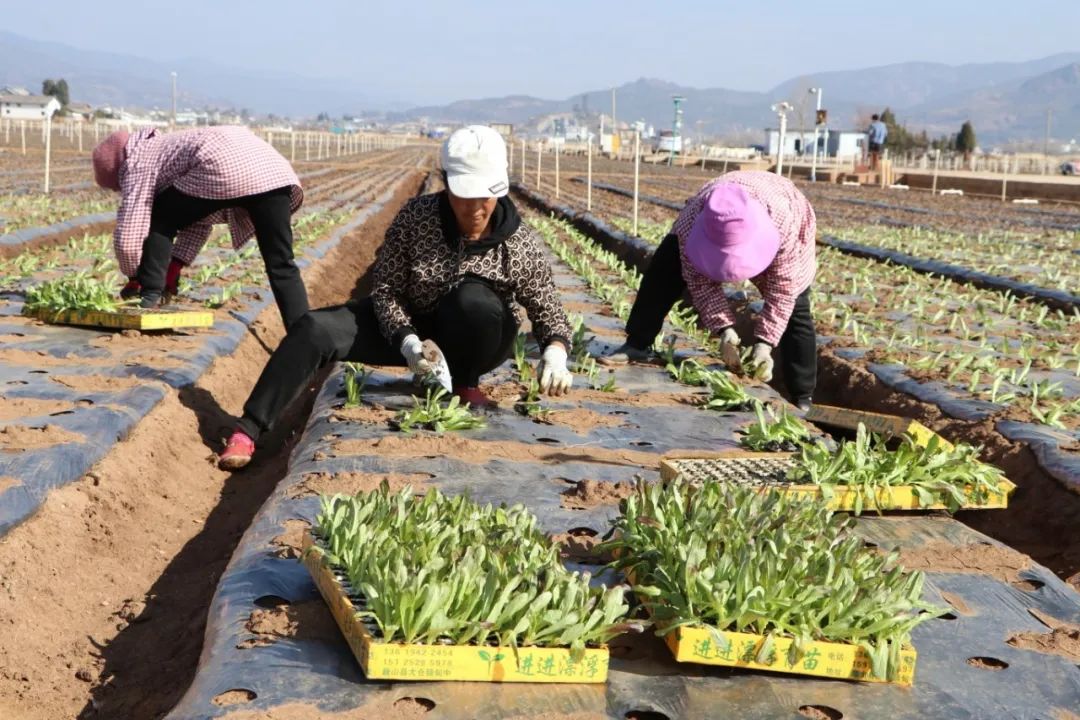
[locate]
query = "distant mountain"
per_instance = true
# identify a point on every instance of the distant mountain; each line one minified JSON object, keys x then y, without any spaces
{"x":1003,"y":100}
{"x":103,"y":78}
{"x":1013,"y":109}
{"x":916,"y":83}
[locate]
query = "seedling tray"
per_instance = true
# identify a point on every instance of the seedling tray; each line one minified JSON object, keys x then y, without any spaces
{"x":398,"y":661}
{"x":768,"y":470}
{"x":708,"y":646}
{"x":887,"y":425}
{"x":127,"y":318}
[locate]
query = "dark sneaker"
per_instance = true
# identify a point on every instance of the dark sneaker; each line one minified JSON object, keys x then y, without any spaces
{"x":238,"y":451}
{"x":625,"y":354}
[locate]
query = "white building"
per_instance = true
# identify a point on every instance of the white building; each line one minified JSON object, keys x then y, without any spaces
{"x":838,"y":143}
{"x":27,"y":107}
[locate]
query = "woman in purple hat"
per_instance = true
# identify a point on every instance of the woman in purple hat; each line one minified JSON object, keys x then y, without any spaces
{"x":753,"y":226}
{"x":176,"y":186}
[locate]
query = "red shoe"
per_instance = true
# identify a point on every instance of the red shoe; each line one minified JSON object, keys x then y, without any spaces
{"x":474,"y":396}
{"x":238,"y":452}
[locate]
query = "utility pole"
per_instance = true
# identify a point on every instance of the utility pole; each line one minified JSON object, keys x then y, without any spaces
{"x":676,"y":127}
{"x":781,"y":110}
{"x":817,"y":124}
{"x":173,"y":74}
{"x":1046,"y":142}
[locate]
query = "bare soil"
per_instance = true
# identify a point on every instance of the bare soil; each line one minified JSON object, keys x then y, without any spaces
{"x":289,"y":542}
{"x":588,"y":494}
{"x":18,"y":438}
{"x":155,"y":521}
{"x":308,"y":620}
{"x":957,"y":603}
{"x":353,"y":483}
{"x":996,"y":561}
{"x":403,"y":709}
{"x":1063,"y":638}
{"x":480,"y":451}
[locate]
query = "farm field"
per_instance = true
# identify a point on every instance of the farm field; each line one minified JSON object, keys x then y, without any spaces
{"x":540,"y":538}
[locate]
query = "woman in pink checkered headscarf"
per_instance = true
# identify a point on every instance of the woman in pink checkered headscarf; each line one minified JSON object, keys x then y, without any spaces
{"x":174,"y":187}
{"x":753,"y":226}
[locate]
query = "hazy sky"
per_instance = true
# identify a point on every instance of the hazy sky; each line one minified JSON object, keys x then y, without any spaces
{"x":426,"y":51}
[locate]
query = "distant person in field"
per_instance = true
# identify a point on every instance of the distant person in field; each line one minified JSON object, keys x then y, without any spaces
{"x":176,"y":186}
{"x":446,"y":278}
{"x":875,"y":135}
{"x":753,"y":226}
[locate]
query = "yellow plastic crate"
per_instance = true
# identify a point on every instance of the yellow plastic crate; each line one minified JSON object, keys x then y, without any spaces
{"x":843,"y":661}
{"x":398,"y":661}
{"x":888,"y":425}
{"x":898,"y":497}
{"x":128,"y":318}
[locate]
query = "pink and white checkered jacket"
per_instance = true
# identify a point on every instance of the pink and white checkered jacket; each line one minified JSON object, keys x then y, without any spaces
{"x":216,"y":163}
{"x":784,"y":280}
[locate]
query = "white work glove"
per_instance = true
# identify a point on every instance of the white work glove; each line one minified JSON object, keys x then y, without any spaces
{"x":729,"y":349}
{"x":426,"y":361}
{"x":761,"y":361}
{"x":555,"y":378}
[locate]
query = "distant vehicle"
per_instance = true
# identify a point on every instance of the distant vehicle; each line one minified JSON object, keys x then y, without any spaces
{"x":1070,"y":167}
{"x":667,"y":142}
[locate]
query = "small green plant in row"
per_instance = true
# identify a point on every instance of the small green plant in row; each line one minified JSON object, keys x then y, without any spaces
{"x":432,"y":414}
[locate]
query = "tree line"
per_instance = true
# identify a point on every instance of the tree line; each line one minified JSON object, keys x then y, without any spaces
{"x":901,"y":140}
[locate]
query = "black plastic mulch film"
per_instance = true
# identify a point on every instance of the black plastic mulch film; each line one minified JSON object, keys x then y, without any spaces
{"x":103,"y":418}
{"x":315,"y":670}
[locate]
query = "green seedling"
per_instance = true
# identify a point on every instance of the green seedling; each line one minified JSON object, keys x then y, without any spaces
{"x":736,"y":559}
{"x":785,"y":433}
{"x":446,"y":570}
{"x":431,"y":414}
{"x":356,"y":377}
{"x":936,"y":474}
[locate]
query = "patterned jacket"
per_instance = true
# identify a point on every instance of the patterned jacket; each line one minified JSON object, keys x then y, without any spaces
{"x":423,"y":257}
{"x":216,"y":163}
{"x":784,"y":280}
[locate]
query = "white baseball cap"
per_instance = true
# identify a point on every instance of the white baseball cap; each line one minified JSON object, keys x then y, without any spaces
{"x":474,"y":160}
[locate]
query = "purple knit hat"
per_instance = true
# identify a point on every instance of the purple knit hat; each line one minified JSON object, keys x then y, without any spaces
{"x":108,"y":157}
{"x":733,"y":237}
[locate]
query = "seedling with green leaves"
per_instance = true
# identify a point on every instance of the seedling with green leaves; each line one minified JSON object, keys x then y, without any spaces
{"x":356,"y":377}
{"x":441,"y":569}
{"x":770,"y":433}
{"x":431,"y":414}
{"x":935,"y":473}
{"x":738,"y":559}
{"x":77,"y":292}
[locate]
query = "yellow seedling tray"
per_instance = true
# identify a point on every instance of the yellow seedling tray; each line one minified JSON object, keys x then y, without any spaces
{"x":888,"y":425}
{"x":128,"y":318}
{"x":898,"y":497}
{"x":398,"y":661}
{"x":843,"y":661}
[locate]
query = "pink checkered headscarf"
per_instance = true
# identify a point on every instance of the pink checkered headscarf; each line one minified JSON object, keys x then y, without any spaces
{"x":108,"y":158}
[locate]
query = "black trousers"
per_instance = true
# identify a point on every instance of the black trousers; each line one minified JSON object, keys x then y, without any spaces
{"x":663,"y":285}
{"x":271,"y":214}
{"x":472,"y":325}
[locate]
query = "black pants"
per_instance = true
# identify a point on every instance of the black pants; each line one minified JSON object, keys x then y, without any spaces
{"x":472,"y":325}
{"x":663,"y":285}
{"x":271,"y":214}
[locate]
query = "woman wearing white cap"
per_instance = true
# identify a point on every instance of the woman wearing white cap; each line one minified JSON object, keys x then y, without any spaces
{"x":753,"y":226}
{"x":449,"y":270}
